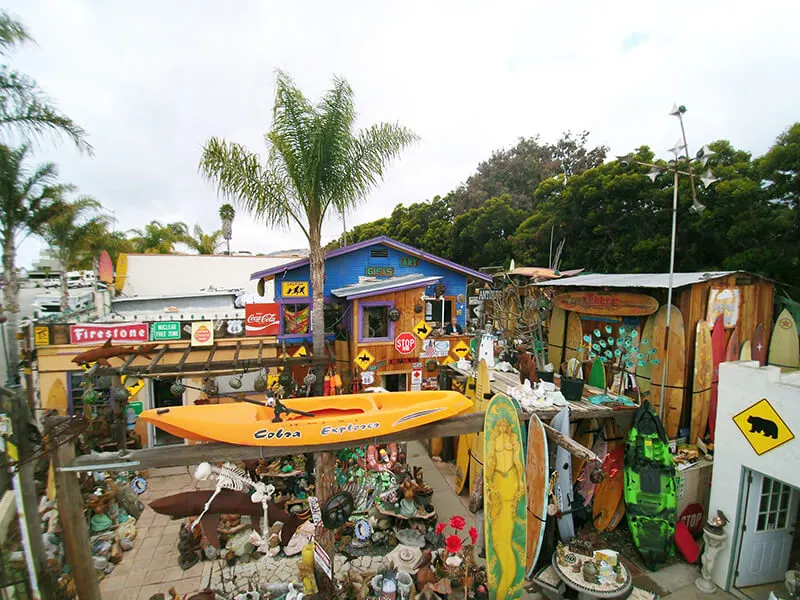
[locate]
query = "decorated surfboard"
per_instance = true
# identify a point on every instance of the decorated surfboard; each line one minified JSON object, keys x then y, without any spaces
{"x":746,"y":351}
{"x":717,"y":354}
{"x":701,"y":382}
{"x":482,"y":389}
{"x":619,"y":514}
{"x":760,"y":345}
{"x":105,"y":268}
{"x":536,"y":477}
{"x":563,"y":488}
{"x":650,"y":487}
{"x":465,"y":443}
{"x":597,"y":376}
{"x":643,"y":372}
{"x":574,"y":342}
{"x":672,"y":364}
{"x":608,"y":493}
{"x":555,"y":337}
{"x":586,"y":486}
{"x":732,"y":349}
{"x":784,"y":350}
{"x":505,"y":500}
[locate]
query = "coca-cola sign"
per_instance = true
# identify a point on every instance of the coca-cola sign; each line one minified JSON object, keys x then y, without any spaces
{"x":261,"y":319}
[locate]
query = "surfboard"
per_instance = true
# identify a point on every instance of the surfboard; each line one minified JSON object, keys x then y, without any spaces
{"x":555,"y":338}
{"x":650,"y":487}
{"x":732,"y":349}
{"x":701,"y":382}
{"x":537,"y":471}
{"x":608,"y":493}
{"x":597,"y":376}
{"x":482,"y":388}
{"x":673,"y":364}
{"x":563,"y":489}
{"x":105,"y":268}
{"x":57,"y":397}
{"x":784,"y":350}
{"x":505,"y":500}
{"x":717,"y":354}
{"x":760,"y":345}
{"x":584,"y":436}
{"x":464,"y":443}
{"x":586,"y":486}
{"x":746,"y":351}
{"x":643,"y":372}
{"x":574,"y":343}
{"x":619,"y":514}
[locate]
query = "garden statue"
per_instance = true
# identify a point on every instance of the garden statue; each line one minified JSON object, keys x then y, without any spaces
{"x":591,"y":574}
{"x":305,"y":570}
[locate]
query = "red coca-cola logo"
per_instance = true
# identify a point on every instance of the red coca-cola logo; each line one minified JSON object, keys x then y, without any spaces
{"x":261,"y":319}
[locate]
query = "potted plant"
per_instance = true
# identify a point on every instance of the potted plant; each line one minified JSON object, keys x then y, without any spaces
{"x":572,"y":381}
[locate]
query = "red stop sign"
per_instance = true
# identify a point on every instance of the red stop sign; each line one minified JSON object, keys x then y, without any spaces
{"x":692,"y":517}
{"x":405,"y":343}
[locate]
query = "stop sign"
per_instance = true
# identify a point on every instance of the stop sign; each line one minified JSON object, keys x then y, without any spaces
{"x":692,"y":517}
{"x":405,"y":343}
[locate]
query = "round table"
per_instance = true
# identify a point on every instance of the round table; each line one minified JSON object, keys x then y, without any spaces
{"x":589,"y":591}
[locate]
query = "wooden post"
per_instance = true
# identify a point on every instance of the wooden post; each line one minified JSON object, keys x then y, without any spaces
{"x":73,"y":524}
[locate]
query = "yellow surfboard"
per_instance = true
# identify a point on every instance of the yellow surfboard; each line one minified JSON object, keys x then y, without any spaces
{"x":671,"y":362}
{"x":57,"y":397}
{"x":746,"y":351}
{"x":643,"y":372}
{"x":573,"y":346}
{"x":784,"y":350}
{"x":701,"y":386}
{"x":555,"y":338}
{"x":465,"y":443}
{"x":482,"y":390}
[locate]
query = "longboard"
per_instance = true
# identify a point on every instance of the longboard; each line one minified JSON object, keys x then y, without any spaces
{"x":505,"y":500}
{"x":57,"y":397}
{"x":701,"y":383}
{"x":482,"y":388}
{"x":671,"y":362}
{"x":608,"y":493}
{"x":597,"y":376}
{"x":784,"y":350}
{"x":563,"y":488}
{"x":616,"y":519}
{"x":643,"y":372}
{"x":465,"y":444}
{"x":586,"y":487}
{"x":732,"y":349}
{"x":746,"y":351}
{"x":760,"y":345}
{"x":717,"y":354}
{"x":584,"y":436}
{"x":573,"y":345}
{"x":536,"y":477}
{"x":555,"y":337}
{"x":650,"y":487}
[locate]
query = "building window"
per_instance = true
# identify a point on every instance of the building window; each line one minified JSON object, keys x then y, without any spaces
{"x":374,"y":323}
{"x":334,"y":316}
{"x":433,"y":311}
{"x":101,"y":406}
{"x":296,"y":319}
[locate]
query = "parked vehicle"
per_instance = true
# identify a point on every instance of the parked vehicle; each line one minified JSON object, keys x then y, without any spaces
{"x":51,"y":303}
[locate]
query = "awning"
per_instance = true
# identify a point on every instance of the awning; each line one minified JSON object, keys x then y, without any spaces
{"x":381,"y":286}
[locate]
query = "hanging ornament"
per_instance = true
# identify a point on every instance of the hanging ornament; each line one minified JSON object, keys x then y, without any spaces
{"x":89,"y":396}
{"x":120,"y":394}
{"x":210,"y":386}
{"x":235,"y":382}
{"x":608,"y":328}
{"x":260,"y":383}
{"x":177,"y":388}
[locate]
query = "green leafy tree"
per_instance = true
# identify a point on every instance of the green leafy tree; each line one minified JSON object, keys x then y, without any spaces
{"x":226,"y":215}
{"x":317,"y":163}
{"x":113,"y":242}
{"x":69,"y":235}
{"x":482,"y":236}
{"x":204,"y":243}
{"x":159,"y":238}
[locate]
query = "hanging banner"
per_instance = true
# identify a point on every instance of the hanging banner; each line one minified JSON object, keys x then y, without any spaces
{"x":203,"y":333}
{"x":261,"y":319}
{"x":89,"y":333}
{"x":725,"y":302}
{"x":607,"y":303}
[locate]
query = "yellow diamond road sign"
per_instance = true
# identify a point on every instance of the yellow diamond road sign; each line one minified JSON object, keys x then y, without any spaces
{"x":301,"y":352}
{"x":448,"y":360}
{"x":364,"y":359}
{"x":763,"y":427}
{"x":422,"y":329}
{"x":462,"y":349}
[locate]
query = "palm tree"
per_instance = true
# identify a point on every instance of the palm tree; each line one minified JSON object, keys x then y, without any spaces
{"x":69,"y":236}
{"x":204,"y":243}
{"x":28,"y":199}
{"x":316,"y":163}
{"x":226,"y":215}
{"x":158,"y":238}
{"x":24,"y":108}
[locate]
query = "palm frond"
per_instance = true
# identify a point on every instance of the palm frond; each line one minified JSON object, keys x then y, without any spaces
{"x":12,"y":32}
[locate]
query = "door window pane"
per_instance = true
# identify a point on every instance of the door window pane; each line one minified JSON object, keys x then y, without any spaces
{"x":296,"y":318}
{"x":375,"y":322}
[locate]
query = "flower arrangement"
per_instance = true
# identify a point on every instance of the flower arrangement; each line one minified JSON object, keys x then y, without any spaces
{"x":458,"y":553}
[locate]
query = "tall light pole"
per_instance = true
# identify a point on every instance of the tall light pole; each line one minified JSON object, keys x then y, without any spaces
{"x":707,"y":179}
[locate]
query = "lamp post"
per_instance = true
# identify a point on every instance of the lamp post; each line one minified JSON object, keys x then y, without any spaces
{"x":675,"y":166}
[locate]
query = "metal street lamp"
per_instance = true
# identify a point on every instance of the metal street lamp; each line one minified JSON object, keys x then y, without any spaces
{"x":707,"y":179}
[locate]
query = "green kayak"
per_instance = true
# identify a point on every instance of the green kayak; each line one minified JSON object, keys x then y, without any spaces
{"x":650,"y":487}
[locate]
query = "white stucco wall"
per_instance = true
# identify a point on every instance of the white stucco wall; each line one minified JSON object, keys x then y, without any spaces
{"x":742,"y":384}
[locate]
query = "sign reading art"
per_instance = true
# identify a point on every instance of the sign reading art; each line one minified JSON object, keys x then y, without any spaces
{"x":409,"y":261}
{"x":202,"y":333}
{"x":725,"y":302}
{"x":763,"y":427}
{"x":294,"y":289}
{"x":607,"y":303}
{"x":88,"y":333}
{"x":379,"y":272}
{"x":261,"y":319}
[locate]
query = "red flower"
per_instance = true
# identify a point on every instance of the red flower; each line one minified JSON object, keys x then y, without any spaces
{"x":439,"y":528}
{"x":457,"y":522}
{"x":473,"y":534}
{"x":453,"y":544}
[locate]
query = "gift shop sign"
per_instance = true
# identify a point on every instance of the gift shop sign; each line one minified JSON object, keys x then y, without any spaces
{"x":92,"y":333}
{"x":405,"y":343}
{"x":261,"y":319}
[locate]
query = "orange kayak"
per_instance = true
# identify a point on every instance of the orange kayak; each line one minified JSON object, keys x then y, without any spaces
{"x":325,"y":420}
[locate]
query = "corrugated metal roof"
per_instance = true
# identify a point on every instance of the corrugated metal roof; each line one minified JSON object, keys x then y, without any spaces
{"x":543,"y":272}
{"x":631,"y":280}
{"x":370,"y":288}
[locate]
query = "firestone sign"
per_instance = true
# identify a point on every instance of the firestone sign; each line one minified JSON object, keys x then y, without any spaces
{"x":261,"y":319}
{"x":93,"y":333}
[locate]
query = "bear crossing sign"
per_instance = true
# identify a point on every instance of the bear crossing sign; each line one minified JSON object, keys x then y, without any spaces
{"x":762,"y":427}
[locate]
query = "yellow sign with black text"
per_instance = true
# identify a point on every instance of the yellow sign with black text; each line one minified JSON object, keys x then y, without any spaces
{"x":294,"y":289}
{"x":763,"y":427}
{"x":461,"y":349}
{"x":364,"y":359}
{"x":41,"y":336}
{"x":422,"y":329}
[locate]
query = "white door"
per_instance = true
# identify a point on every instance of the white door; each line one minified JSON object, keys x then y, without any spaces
{"x":768,"y":530}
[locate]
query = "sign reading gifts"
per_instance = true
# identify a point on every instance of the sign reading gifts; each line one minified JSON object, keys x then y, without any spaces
{"x":90,"y":333}
{"x":261,"y":319}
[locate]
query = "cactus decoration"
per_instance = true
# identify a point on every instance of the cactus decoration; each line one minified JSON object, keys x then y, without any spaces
{"x":624,"y":353}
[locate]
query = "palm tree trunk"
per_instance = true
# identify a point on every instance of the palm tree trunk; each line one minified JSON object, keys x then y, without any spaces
{"x":11,"y":307}
{"x":64,"y":289}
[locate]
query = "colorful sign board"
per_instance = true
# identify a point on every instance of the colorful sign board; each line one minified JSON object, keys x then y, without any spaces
{"x":203,"y":333}
{"x":294,"y":289}
{"x":607,"y":303}
{"x":725,"y":302}
{"x":90,"y":333}
{"x":416,"y":377}
{"x":409,"y":261}
{"x":763,"y":427}
{"x":405,"y":343}
{"x":41,"y":336}
{"x":161,"y":331}
{"x":435,"y":348}
{"x":422,"y":329}
{"x":261,"y":319}
{"x":364,"y":359}
{"x":136,"y":407}
{"x":379,"y":271}
{"x":462,"y":349}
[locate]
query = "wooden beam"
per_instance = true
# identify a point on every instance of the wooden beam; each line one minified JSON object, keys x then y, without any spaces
{"x":186,"y":354}
{"x":227,"y":366}
{"x":158,"y":357}
{"x":236,"y":352}
{"x":127,"y":363}
{"x":260,"y":350}
{"x":211,"y":357}
{"x":569,"y":444}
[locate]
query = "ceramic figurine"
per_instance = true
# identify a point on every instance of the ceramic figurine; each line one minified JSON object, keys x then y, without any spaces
{"x":407,"y":506}
{"x":422,"y":487}
{"x":561,"y":553}
{"x":424,"y":572}
{"x":305,"y":570}
{"x":591,"y":574}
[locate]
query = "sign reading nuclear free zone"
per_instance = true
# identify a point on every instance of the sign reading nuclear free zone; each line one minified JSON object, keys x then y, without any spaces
{"x":763,"y":427}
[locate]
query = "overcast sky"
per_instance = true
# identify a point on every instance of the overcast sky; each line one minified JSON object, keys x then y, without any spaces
{"x":152,"y":81}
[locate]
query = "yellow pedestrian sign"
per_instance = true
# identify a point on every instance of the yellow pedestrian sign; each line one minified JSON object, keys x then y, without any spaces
{"x":364,"y":359}
{"x":133,"y":384}
{"x":763,"y":427}
{"x":422,"y":329}
{"x":462,"y":349}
